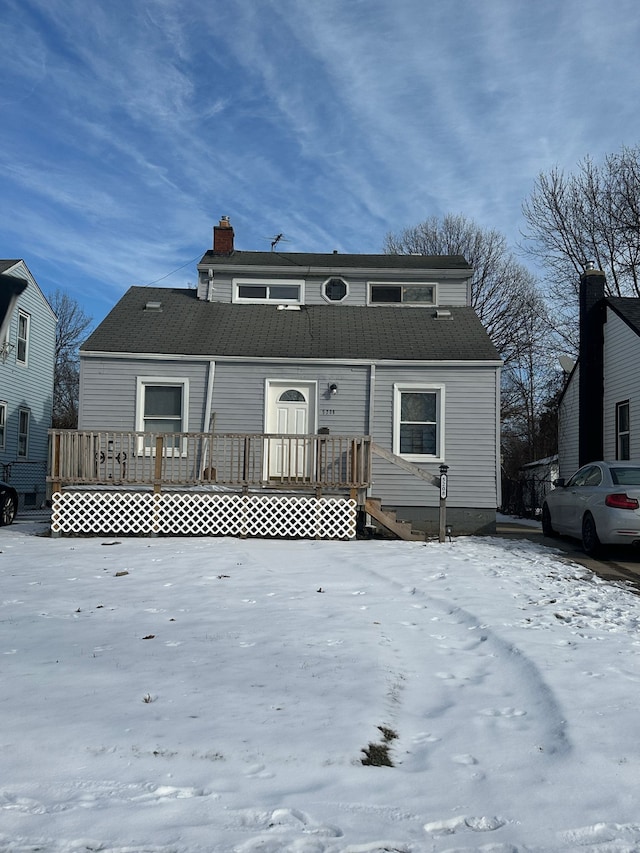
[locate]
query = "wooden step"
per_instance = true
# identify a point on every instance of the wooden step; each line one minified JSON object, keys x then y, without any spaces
{"x":387,"y":518}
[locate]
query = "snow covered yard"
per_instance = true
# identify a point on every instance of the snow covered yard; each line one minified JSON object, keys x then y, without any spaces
{"x":196,"y":695}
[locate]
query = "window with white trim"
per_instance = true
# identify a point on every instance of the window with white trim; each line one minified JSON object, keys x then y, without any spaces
{"x":3,"y":426}
{"x":162,"y":406}
{"x":418,"y":421}
{"x":280,"y":291}
{"x":24,"y":416}
{"x":404,"y":293}
{"x":22,"y":349}
{"x":623,"y":431}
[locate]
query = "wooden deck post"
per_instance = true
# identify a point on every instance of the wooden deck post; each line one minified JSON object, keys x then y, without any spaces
{"x":157,"y":474}
{"x":55,"y":474}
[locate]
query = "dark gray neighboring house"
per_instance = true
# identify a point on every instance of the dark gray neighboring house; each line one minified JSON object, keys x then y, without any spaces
{"x":378,"y":345}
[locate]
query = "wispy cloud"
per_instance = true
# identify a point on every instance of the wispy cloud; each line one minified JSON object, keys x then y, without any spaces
{"x":129,"y":128}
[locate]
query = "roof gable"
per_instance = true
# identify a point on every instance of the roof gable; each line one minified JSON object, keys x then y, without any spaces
{"x":628,"y":309}
{"x":17,"y":267}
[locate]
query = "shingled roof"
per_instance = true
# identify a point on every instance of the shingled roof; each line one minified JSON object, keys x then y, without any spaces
{"x":185,"y":325}
{"x":324,"y":261}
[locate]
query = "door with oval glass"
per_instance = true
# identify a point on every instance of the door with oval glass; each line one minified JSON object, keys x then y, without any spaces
{"x":290,"y":413}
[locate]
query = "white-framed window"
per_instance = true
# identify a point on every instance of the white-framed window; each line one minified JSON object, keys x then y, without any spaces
{"x":3,"y":425}
{"x":162,"y":407}
{"x":418,"y":421}
{"x":22,"y":347}
{"x":257,"y":290}
{"x":24,"y":417}
{"x":335,"y":289}
{"x":623,"y":431}
{"x":402,"y":293}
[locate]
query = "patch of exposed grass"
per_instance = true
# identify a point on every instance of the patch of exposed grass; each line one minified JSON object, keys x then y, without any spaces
{"x":377,"y":754}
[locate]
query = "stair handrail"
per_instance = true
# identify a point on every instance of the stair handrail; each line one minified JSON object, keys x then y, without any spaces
{"x":403,"y":463}
{"x":440,"y":482}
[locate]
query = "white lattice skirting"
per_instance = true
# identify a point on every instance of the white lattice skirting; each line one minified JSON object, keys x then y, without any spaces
{"x":143,"y":513}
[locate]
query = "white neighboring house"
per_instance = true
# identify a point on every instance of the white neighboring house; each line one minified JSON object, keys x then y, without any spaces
{"x":27,"y":356}
{"x":599,"y":412}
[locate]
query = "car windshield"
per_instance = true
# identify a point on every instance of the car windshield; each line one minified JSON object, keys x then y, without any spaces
{"x":626,"y":475}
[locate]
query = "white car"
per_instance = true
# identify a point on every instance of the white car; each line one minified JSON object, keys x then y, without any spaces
{"x":600,"y":505}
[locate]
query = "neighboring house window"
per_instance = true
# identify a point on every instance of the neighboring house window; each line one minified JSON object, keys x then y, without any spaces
{"x":162,"y":406}
{"x":23,"y":337}
{"x":382,"y":293}
{"x":335,"y":289}
{"x":268,"y":290}
{"x":623,"y":431}
{"x":3,"y":425}
{"x":418,"y":428}
{"x":23,"y":433}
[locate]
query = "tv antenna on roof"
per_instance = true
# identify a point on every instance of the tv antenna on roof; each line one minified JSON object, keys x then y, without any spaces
{"x":277,"y":239}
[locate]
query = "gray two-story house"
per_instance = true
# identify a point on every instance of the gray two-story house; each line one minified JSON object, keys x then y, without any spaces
{"x":27,"y":356}
{"x":384,"y":347}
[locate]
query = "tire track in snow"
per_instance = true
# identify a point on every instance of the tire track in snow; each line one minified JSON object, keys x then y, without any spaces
{"x":513,"y":700}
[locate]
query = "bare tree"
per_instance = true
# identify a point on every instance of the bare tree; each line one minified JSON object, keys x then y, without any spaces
{"x":70,"y":332}
{"x":503,"y":291}
{"x":506,"y":298}
{"x":591,"y":215}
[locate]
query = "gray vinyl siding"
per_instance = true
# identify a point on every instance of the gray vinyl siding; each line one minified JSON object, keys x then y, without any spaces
{"x":28,"y":387}
{"x":450,"y":292}
{"x":470,"y":451}
{"x":108,"y":388}
{"x":108,"y":402}
{"x":621,"y":360}
{"x":239,"y":395}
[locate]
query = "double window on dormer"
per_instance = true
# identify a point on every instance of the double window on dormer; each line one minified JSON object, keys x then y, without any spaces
{"x":385,"y":293}
{"x":268,"y":290}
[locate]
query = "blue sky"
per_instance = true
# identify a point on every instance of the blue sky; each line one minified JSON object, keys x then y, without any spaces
{"x":129,"y":128}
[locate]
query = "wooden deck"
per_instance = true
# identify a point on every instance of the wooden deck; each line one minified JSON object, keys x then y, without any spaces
{"x":242,"y":461}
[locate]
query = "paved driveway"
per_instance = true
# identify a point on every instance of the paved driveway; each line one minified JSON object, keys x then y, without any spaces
{"x":621,"y":564}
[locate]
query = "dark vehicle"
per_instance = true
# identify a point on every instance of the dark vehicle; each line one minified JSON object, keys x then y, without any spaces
{"x":8,"y":503}
{"x":600,"y":505}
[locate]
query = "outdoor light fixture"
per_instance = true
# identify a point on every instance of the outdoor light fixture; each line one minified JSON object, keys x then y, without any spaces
{"x":333,"y":389}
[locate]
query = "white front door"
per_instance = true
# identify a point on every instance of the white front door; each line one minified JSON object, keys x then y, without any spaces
{"x":290,"y":412}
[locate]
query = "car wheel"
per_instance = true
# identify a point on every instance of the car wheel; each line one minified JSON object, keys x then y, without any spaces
{"x":547,"y":527}
{"x":590,"y":541}
{"x":8,"y":509}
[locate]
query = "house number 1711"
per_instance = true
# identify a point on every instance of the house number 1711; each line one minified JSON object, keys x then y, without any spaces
{"x":327,"y":411}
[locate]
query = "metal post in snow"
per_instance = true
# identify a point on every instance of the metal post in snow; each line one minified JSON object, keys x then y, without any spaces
{"x":443,"y":502}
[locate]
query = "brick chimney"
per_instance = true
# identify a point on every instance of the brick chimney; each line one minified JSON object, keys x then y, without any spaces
{"x":223,"y":237}
{"x":591,"y":376}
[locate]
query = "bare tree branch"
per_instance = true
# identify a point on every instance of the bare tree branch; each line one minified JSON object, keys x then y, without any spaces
{"x":70,"y":331}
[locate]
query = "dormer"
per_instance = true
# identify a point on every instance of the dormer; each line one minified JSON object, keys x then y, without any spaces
{"x":409,"y":282}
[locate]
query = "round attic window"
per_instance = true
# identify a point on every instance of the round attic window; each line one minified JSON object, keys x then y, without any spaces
{"x":335,"y":289}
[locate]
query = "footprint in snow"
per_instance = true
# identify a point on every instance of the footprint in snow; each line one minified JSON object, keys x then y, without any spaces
{"x":453,"y":824}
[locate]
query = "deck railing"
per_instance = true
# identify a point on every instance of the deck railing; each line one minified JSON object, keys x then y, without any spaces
{"x":236,"y":460}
